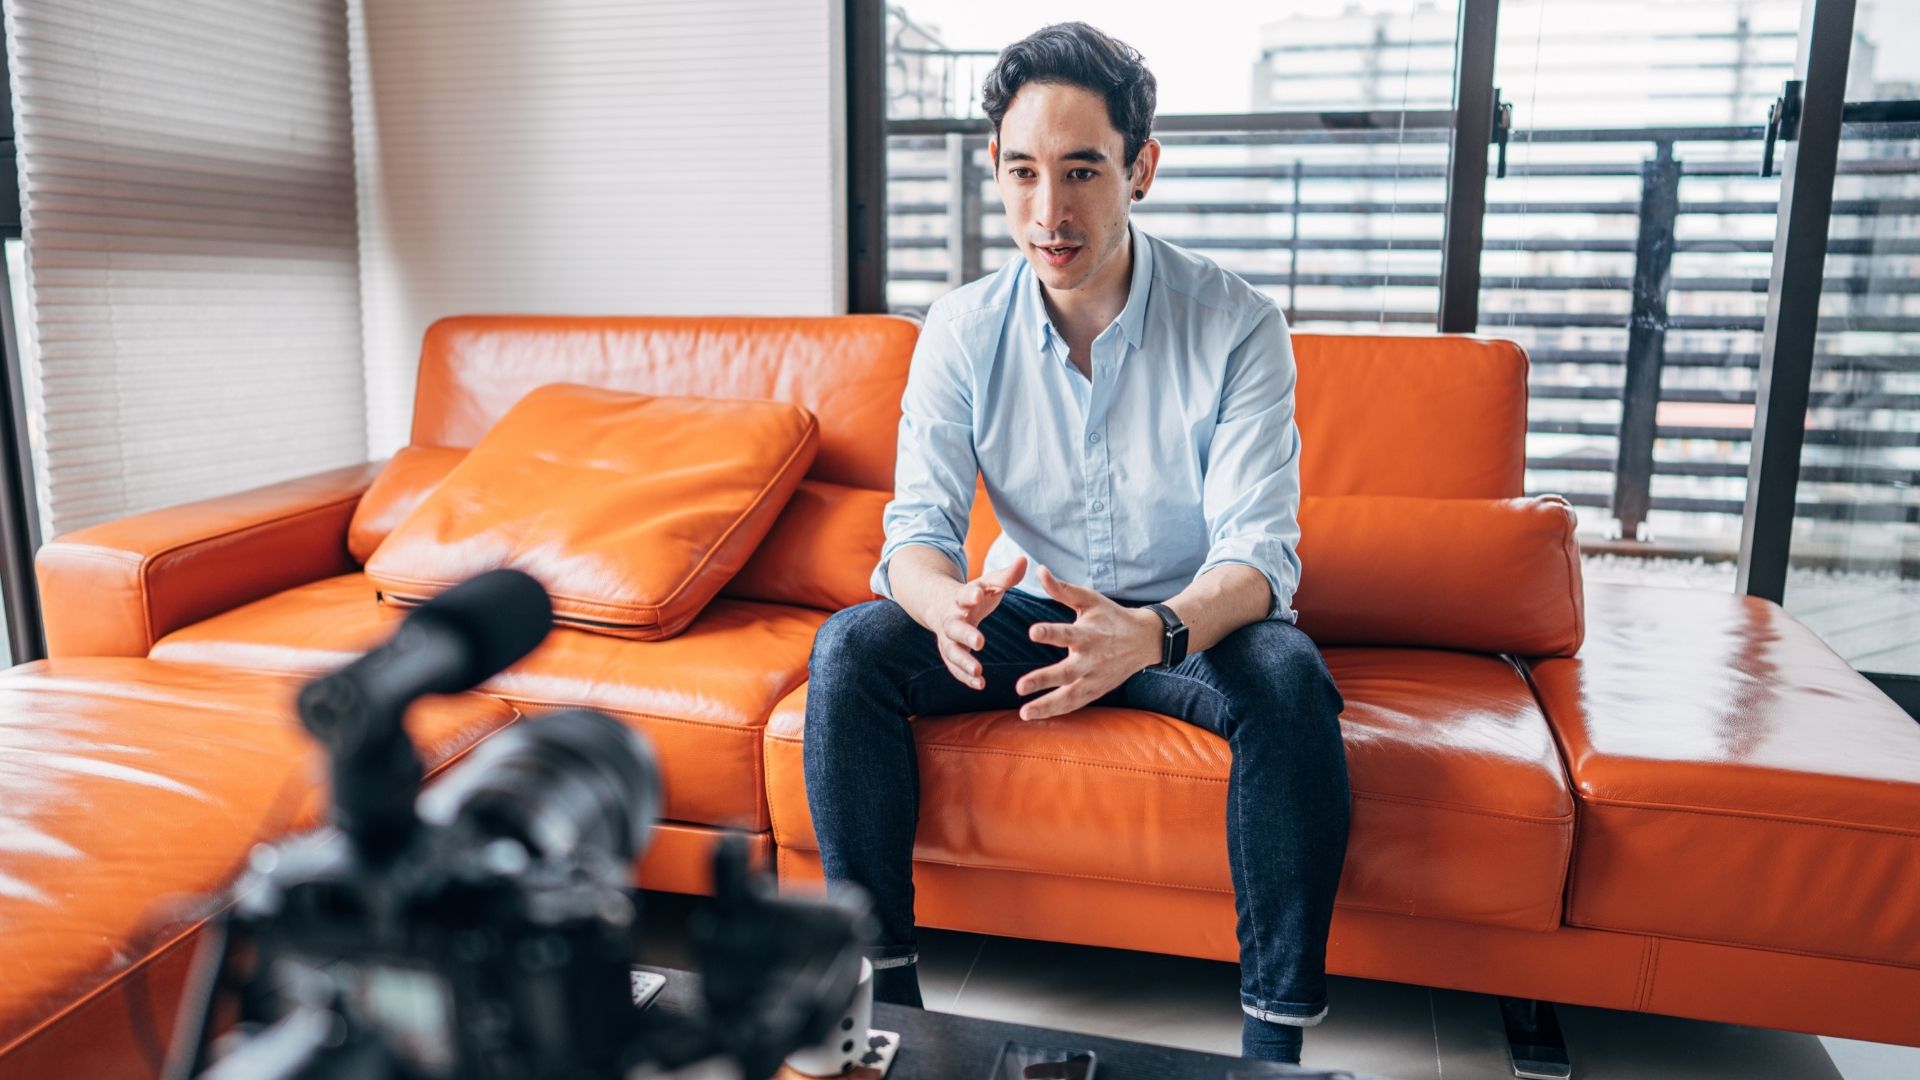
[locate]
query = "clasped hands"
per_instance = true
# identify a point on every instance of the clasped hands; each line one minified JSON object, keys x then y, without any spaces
{"x":1106,"y":642}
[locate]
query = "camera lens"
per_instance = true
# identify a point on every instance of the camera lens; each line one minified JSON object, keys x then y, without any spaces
{"x":562,"y":785}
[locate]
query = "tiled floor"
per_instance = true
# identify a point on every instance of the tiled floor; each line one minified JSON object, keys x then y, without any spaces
{"x":1388,"y":1029}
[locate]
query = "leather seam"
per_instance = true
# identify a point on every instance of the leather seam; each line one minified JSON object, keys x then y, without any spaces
{"x":1653,"y":974}
{"x":639,"y":616}
{"x":1570,"y":552}
{"x":305,"y":511}
{"x":67,"y":548}
{"x":1665,"y":808}
{"x":1647,"y":948}
{"x":1723,"y":943}
{"x":152,"y":562}
{"x":1560,"y":759}
{"x":1349,"y":905}
{"x":516,"y":699}
{"x":760,"y":764}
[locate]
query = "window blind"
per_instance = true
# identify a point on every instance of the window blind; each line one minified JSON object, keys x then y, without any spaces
{"x":192,"y":323}
{"x":592,"y":157}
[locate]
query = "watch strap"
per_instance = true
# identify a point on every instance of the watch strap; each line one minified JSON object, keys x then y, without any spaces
{"x":1173,"y":642}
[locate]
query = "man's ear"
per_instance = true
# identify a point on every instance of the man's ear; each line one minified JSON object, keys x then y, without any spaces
{"x":993,"y":153}
{"x":1144,"y":167}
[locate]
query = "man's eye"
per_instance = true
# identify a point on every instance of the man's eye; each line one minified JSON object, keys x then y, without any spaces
{"x":1081,"y":174}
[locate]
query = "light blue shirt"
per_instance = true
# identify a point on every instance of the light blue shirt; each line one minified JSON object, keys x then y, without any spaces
{"x":1180,"y":454}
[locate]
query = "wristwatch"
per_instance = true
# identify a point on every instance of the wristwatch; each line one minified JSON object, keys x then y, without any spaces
{"x":1173,"y":646}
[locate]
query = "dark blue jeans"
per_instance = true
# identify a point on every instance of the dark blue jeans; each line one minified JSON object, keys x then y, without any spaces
{"x":1264,"y":689}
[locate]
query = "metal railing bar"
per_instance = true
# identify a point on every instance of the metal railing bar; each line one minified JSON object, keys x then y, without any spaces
{"x":1819,"y":474}
{"x":1841,"y":207}
{"x":1815,"y":436}
{"x":1824,"y":361}
{"x":1838,"y":401}
{"x":1876,"y":513}
{"x":1378,"y":120}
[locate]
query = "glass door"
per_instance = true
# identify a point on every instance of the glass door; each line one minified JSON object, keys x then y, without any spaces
{"x":1841,"y":550}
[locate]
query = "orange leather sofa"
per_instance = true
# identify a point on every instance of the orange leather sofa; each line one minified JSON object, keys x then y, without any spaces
{"x":1641,"y":798}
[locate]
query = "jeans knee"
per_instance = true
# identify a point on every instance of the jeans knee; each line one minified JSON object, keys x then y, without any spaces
{"x":1277,"y":668}
{"x":856,"y":638}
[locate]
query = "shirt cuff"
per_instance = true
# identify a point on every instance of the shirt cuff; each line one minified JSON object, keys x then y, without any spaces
{"x":1280,"y":598}
{"x":882,"y":585}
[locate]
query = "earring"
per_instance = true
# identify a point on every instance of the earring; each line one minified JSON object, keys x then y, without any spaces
{"x":1138,"y":194}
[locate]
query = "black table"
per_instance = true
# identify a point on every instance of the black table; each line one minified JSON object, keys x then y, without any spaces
{"x":942,"y":1046}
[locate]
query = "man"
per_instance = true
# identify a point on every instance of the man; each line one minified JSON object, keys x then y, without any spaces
{"x":1130,"y":408}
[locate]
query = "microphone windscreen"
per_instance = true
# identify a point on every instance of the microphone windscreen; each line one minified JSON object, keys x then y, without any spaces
{"x":499,"y":616}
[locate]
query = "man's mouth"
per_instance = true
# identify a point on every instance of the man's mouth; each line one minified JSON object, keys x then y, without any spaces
{"x":1059,"y":255}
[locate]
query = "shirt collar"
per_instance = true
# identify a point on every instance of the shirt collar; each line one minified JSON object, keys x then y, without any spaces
{"x":1133,"y":317}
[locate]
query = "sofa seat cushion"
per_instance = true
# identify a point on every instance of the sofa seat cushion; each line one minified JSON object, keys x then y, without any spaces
{"x":1739,"y":783}
{"x":702,"y":696}
{"x":1460,"y":807}
{"x":131,"y":788}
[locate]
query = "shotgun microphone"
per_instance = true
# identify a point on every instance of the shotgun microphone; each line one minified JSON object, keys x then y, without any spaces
{"x":451,"y":643}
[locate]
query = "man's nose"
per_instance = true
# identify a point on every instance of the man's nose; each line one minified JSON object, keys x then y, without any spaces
{"x":1049,"y":208}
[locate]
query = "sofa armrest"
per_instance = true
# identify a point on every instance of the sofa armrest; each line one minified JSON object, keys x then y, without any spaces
{"x":116,"y":588}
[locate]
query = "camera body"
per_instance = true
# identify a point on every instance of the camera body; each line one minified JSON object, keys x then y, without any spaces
{"x":488,"y":928}
{"x":463,"y":954}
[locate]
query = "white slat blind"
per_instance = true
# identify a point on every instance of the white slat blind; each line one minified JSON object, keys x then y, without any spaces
{"x":187,"y":181}
{"x":591,"y":157}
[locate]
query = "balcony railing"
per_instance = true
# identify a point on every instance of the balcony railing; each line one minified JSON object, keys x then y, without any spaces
{"x":1632,"y":264}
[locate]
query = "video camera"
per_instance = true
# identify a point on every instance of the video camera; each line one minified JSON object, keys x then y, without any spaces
{"x":488,"y":928}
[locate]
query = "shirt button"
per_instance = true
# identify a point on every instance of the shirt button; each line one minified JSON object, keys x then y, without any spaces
{"x":1093,"y":439}
{"x":1097,"y":507}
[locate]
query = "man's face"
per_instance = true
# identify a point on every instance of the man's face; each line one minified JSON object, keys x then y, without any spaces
{"x":1061,"y":173}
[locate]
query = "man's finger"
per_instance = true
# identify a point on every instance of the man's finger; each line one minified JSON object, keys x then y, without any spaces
{"x":1059,"y":703}
{"x":1077,"y":597}
{"x":1040,"y":678}
{"x":963,"y":632}
{"x":1009,"y":575}
{"x":1064,"y":635}
{"x":962,"y":666}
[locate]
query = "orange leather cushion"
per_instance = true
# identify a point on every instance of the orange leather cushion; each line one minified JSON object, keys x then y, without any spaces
{"x":848,"y":370}
{"x":1461,"y":810}
{"x":821,"y":552}
{"x":131,"y":786}
{"x":1739,"y":782}
{"x":702,"y":696}
{"x":632,"y":510}
{"x":1483,"y":575}
{"x":403,"y":484}
{"x":1440,"y":415}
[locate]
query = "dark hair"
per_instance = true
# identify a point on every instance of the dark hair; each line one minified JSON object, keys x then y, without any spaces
{"x":1078,"y":55}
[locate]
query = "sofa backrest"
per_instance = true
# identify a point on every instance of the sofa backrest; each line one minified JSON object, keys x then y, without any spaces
{"x":849,"y":370}
{"x":1431,"y":416}
{"x":1438,"y":416}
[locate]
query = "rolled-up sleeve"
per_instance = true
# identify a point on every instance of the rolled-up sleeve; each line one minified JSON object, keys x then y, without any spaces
{"x":1251,"y":497}
{"x":935,"y":465}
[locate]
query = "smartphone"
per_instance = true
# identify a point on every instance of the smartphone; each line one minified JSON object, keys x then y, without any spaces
{"x":1025,"y":1061}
